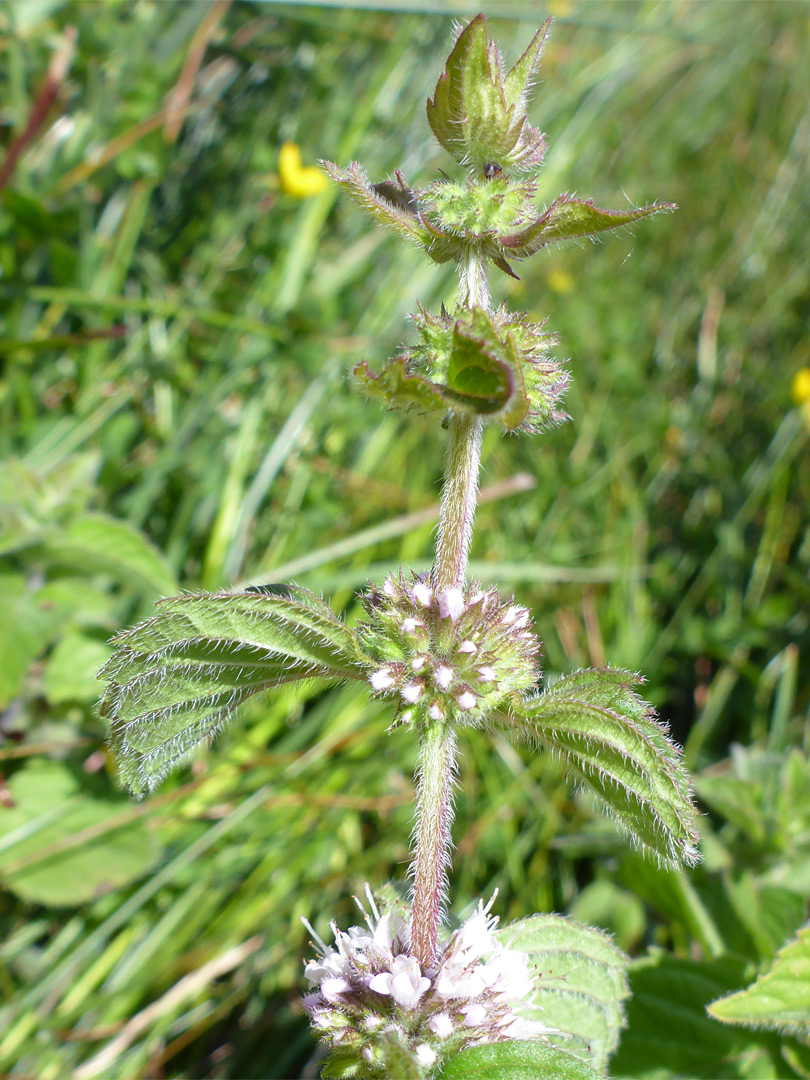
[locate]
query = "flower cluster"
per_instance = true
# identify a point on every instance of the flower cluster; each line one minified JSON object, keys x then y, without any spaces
{"x":371,"y":993}
{"x":456,"y":655}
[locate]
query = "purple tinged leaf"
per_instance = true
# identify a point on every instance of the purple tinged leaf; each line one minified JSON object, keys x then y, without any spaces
{"x":518,"y":83}
{"x":474,"y":116}
{"x":391,"y":204}
{"x":400,"y":388}
{"x":568,"y":218}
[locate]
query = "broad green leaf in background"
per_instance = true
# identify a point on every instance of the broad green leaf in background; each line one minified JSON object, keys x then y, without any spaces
{"x":38,"y":860}
{"x":27,"y":625}
{"x":33,"y":500}
{"x":599,"y":726}
{"x":71,"y":671}
{"x":175,"y":679}
{"x":516,"y":1061}
{"x":669,"y":1035}
{"x":580,"y":983}
{"x":780,"y":998}
{"x":96,"y":542}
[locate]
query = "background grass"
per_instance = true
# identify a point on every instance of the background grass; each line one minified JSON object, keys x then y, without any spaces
{"x":176,"y":332}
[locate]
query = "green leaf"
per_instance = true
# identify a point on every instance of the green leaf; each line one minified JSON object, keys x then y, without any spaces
{"x":28,"y":623}
{"x":71,"y":672}
{"x":176,"y":678}
{"x":479,"y":116}
{"x":568,"y":218}
{"x":482,"y":377}
{"x":56,"y":844}
{"x":603,"y":903}
{"x":668,"y":1033}
{"x":96,"y":543}
{"x":392,"y":205}
{"x":780,"y":998}
{"x":515,"y":1060}
{"x":580,"y":982}
{"x":600,"y":727}
{"x":400,"y":388}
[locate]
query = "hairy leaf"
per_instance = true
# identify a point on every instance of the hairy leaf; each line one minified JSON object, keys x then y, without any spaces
{"x":479,"y":116}
{"x":780,"y":998}
{"x":515,"y":1060}
{"x":400,"y":388}
{"x":580,"y":983}
{"x":568,"y":218}
{"x":176,"y":678}
{"x":392,"y":205}
{"x":598,"y":725}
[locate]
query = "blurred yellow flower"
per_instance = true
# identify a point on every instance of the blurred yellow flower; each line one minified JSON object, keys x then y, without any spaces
{"x":560,"y":281}
{"x":800,"y":387}
{"x":297,"y":179}
{"x":559,"y":8}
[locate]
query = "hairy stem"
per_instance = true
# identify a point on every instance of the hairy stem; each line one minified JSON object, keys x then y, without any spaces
{"x":463,"y":454}
{"x":458,"y":502}
{"x":434,"y":811}
{"x":434,"y":817}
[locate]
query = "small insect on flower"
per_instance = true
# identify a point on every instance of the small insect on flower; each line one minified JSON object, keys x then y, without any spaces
{"x":296,"y":178}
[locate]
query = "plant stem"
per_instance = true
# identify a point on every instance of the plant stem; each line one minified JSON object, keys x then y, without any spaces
{"x":437,"y":755}
{"x":437,"y":744}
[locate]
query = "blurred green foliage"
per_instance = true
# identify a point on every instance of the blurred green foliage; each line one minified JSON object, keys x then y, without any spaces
{"x":174,"y":409}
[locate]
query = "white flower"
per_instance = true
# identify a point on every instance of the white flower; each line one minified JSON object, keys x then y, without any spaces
{"x":465,"y":700}
{"x":425,"y":1056}
{"x":441,"y":1024}
{"x":405,"y":982}
{"x":368,"y":984}
{"x":422,"y":594}
{"x":443,"y":676}
{"x":474,"y":1014}
{"x":381,"y":679}
{"x":451,"y":605}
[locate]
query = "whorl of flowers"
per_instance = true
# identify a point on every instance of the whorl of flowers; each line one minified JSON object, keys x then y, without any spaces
{"x":456,"y":655}
{"x":493,"y":364}
{"x":368,"y":989}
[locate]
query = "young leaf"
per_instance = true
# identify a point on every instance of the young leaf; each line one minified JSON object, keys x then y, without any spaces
{"x":515,"y":1060}
{"x":780,"y":998}
{"x":391,"y":204}
{"x":400,"y":388}
{"x":580,"y":983}
{"x":567,"y":219}
{"x":597,"y":724}
{"x":176,"y":678}
{"x":479,"y":116}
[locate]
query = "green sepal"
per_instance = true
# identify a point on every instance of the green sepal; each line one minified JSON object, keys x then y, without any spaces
{"x":779,"y":1000}
{"x":600,"y":727}
{"x":476,"y":113}
{"x":567,"y":219}
{"x":579,"y":983}
{"x":175,"y":679}
{"x":515,"y":1060}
